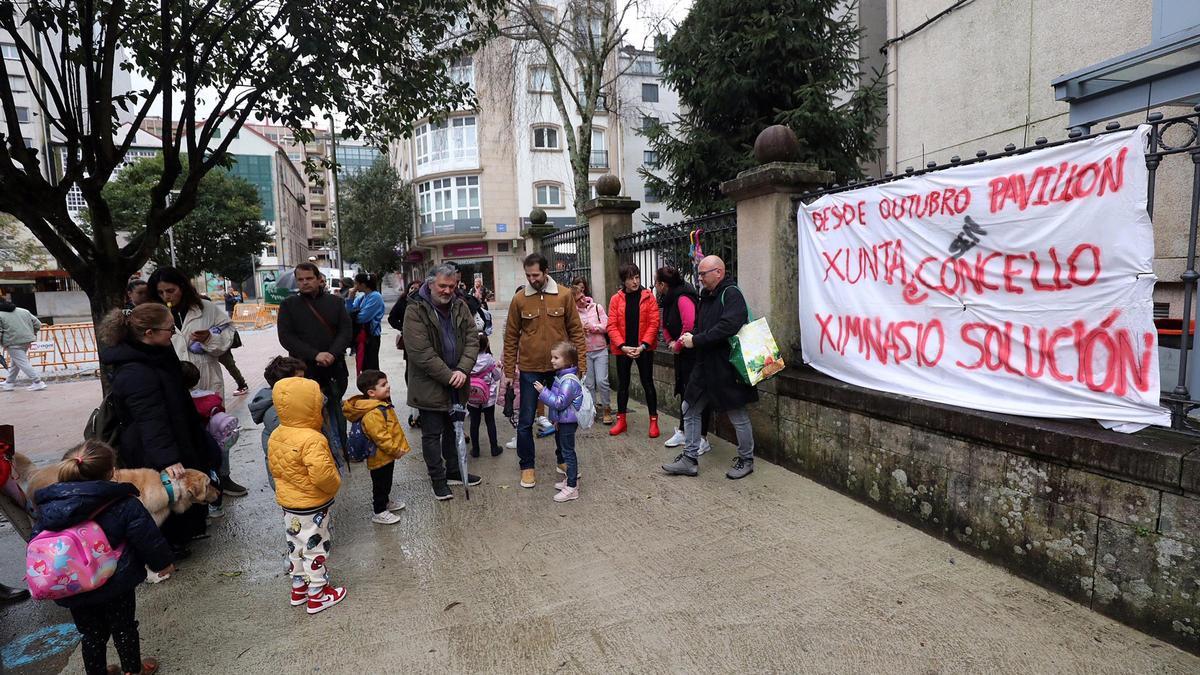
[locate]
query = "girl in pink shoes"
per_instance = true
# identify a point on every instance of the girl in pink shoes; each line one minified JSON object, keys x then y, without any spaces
{"x":562,"y":400}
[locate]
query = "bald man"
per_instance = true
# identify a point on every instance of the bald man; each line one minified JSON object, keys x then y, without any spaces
{"x":715,"y":383}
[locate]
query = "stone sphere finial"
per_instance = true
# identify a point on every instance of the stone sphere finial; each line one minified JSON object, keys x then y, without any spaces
{"x":537,"y":217}
{"x":776,"y":143}
{"x":608,"y":185}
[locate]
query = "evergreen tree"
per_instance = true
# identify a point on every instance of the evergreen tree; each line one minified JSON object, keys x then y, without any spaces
{"x":743,"y":65}
{"x":376,"y":216}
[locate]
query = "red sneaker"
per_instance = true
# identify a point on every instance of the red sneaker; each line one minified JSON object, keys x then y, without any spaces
{"x":325,"y":598}
{"x":299,"y":596}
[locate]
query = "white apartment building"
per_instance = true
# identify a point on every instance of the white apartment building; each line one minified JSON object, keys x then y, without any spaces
{"x":479,"y":173}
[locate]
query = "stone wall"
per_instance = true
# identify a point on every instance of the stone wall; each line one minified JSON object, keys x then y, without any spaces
{"x":1110,"y":520}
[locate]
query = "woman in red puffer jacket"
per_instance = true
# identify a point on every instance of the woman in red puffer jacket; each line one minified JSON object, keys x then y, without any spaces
{"x":633,"y":321}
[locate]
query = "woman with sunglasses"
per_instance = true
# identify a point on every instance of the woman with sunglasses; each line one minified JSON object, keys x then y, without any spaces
{"x":159,"y":426}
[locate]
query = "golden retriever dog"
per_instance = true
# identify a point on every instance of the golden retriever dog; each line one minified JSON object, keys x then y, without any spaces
{"x":194,"y":487}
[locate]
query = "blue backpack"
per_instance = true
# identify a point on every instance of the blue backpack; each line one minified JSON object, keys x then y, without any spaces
{"x":359,"y":445}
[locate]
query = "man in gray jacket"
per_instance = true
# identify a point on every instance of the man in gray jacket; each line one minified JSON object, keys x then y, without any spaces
{"x":18,"y":330}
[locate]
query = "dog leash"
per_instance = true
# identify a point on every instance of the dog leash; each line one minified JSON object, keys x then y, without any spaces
{"x":169,"y":486}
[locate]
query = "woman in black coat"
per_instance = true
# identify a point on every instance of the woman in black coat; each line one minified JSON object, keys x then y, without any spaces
{"x":160,"y":428}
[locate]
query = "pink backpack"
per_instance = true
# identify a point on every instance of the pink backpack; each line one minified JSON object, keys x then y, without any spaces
{"x":481,"y":388}
{"x":71,"y":561}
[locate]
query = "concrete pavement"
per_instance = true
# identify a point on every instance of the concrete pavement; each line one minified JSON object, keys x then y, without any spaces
{"x":645,"y":573}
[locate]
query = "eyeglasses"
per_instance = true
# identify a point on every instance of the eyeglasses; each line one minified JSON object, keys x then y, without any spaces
{"x":703,"y":272}
{"x":171,"y":330}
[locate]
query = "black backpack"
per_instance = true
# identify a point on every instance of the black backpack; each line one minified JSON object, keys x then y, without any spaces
{"x":104,"y":424}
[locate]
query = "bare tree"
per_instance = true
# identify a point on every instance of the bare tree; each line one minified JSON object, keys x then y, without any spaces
{"x":577,"y":43}
{"x":210,"y":65}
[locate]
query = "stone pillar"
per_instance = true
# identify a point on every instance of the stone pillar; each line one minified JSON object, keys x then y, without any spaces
{"x":609,"y":216}
{"x":766,"y":234}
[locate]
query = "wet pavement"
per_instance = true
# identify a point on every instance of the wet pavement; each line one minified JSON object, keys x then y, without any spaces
{"x":644,"y":573}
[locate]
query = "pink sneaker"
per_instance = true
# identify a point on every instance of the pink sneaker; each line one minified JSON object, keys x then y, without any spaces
{"x":325,"y":598}
{"x":299,"y":595}
{"x":561,"y":485}
{"x":567,"y":494}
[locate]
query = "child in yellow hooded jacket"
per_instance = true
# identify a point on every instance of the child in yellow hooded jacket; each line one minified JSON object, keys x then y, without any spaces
{"x":384,"y":430}
{"x":306,"y":481}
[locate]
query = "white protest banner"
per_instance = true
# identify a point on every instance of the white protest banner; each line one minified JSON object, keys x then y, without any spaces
{"x":1020,"y":285}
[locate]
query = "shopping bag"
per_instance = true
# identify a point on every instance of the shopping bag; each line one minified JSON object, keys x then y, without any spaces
{"x":754,"y":354}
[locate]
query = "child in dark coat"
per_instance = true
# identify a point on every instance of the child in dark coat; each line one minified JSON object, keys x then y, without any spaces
{"x":85,"y":491}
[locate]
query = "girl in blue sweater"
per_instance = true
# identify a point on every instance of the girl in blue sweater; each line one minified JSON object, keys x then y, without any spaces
{"x":561,"y":402}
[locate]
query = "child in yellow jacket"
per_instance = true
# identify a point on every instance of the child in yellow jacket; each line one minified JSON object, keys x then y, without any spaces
{"x":384,"y":430}
{"x":306,"y":481}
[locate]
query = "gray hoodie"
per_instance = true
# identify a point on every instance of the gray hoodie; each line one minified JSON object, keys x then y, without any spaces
{"x":262,"y":411}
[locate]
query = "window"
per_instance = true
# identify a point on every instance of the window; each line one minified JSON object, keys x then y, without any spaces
{"x":17,"y":83}
{"x":650,"y":158}
{"x":272,"y":135}
{"x":653,"y":215}
{"x":549,"y":195}
{"x":592,"y":194}
{"x":22,"y":114}
{"x":216,"y":132}
{"x":650,"y":93}
{"x":648,"y":122}
{"x":316,"y":190}
{"x":28,"y":141}
{"x":462,"y":70}
{"x":319,"y":225}
{"x":545,"y":138}
{"x":295,"y":156}
{"x":644,"y":65}
{"x":599,"y":156}
{"x":445,"y":200}
{"x":539,"y":79}
{"x":447,"y":140}
{"x":502,"y":247}
{"x":272,"y":251}
{"x":1174,"y":18}
{"x":652,"y":196}
{"x":10,"y":51}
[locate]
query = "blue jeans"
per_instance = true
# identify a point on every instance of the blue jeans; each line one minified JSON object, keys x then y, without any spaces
{"x":529,"y":402}
{"x":564,"y":448}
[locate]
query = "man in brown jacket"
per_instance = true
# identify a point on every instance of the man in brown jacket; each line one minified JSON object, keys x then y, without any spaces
{"x":541,"y":315}
{"x":442,"y":344}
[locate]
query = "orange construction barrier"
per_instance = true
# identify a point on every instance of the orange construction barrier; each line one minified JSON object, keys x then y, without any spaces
{"x":268,"y":315}
{"x":245,"y":316}
{"x":63,"y":346}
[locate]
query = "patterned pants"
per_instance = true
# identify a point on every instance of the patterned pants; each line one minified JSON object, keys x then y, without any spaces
{"x":308,"y":545}
{"x":114,"y":618}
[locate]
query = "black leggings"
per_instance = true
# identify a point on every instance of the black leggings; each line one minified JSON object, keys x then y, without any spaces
{"x":645,"y":364}
{"x":489,"y":417}
{"x":114,"y":618}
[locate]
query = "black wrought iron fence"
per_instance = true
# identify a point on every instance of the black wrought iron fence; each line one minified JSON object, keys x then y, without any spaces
{"x":569,"y":254}
{"x":1170,"y":139}
{"x":672,"y":245}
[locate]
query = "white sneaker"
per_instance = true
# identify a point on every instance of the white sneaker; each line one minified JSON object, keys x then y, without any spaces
{"x":36,"y":386}
{"x":704,"y":447}
{"x":385,"y":518}
{"x":511,"y":445}
{"x":394,"y":505}
{"x":675,"y":440}
{"x":6,"y":387}
{"x":545,"y":423}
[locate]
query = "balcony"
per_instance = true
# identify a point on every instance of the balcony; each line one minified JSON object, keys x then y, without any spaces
{"x":452,"y":227}
{"x":598,"y":159}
